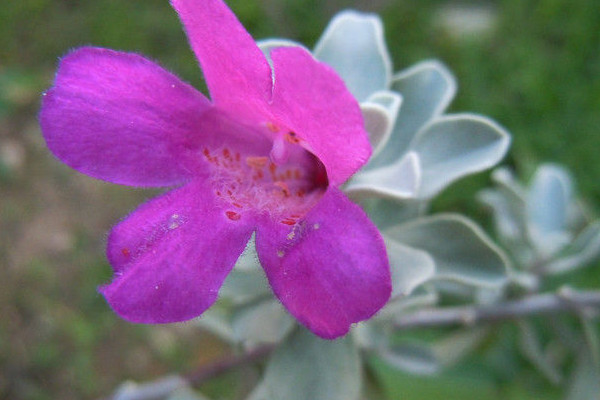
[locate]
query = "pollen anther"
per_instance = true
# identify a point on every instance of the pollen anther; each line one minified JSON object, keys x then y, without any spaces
{"x":257,"y":162}
{"x":292,"y":138}
{"x":284,"y":188}
{"x":272,"y":127}
{"x":232,"y":215}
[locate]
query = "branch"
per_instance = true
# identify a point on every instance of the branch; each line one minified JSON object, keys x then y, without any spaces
{"x":219,"y":367}
{"x":565,"y":300}
{"x":163,"y":387}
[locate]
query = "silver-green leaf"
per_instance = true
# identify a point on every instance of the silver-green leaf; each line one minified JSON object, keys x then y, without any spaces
{"x":416,"y":358}
{"x":426,"y":88}
{"x":582,"y":251}
{"x":353,"y":44}
{"x":264,"y":322}
{"x":379,"y":112}
{"x":462,"y":252}
{"x":396,"y":181}
{"x":454,"y":146}
{"x":410,"y":267}
{"x":306,"y":367}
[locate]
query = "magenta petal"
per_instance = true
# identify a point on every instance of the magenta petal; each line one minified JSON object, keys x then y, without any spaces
{"x":331,"y":270}
{"x":310,"y":98}
{"x":172,"y":255}
{"x":122,"y":118}
{"x":236,"y":71}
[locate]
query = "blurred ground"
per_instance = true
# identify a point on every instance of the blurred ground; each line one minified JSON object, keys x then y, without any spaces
{"x":533,"y":66}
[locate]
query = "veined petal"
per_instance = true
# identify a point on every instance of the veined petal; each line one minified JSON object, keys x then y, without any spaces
{"x":330,"y":270}
{"x":309,"y":98}
{"x":122,"y":118}
{"x":172,"y":255}
{"x":236,"y":72}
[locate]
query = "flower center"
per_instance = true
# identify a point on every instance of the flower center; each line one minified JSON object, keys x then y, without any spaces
{"x":285,"y":182}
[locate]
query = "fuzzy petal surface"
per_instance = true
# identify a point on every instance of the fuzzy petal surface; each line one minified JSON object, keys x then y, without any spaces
{"x":122,"y":118}
{"x":171,"y":256}
{"x":236,"y":71}
{"x":311,"y":99}
{"x":329,"y":271}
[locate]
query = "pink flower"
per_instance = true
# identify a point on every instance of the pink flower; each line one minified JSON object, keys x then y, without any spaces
{"x":266,"y":155}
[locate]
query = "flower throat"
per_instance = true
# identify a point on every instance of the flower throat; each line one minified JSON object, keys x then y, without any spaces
{"x":285,"y":183}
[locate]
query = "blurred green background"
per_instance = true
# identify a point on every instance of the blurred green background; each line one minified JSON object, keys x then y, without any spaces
{"x":534,"y":66}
